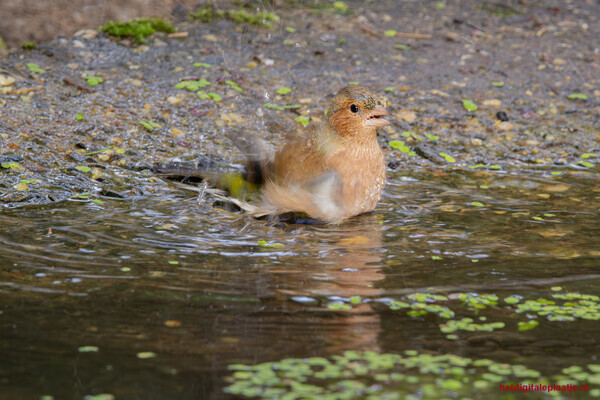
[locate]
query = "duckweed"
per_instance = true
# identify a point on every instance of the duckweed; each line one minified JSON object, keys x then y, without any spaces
{"x":586,"y":307}
{"x":467,"y":324}
{"x":192,"y":86}
{"x":559,"y":307}
{"x":478,"y":301}
{"x":400,"y":145}
{"x":373,"y":375}
{"x":526,"y":326}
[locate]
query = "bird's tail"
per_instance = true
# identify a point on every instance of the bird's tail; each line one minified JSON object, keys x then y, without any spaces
{"x":239,"y":188}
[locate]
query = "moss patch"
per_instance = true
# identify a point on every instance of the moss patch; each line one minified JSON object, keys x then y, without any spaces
{"x":138,"y":29}
{"x":262,"y":19}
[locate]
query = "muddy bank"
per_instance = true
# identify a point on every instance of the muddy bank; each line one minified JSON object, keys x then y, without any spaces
{"x":471,"y":86}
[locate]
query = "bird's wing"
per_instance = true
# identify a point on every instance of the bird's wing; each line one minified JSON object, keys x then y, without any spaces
{"x":259,"y":155}
{"x":320,"y":197}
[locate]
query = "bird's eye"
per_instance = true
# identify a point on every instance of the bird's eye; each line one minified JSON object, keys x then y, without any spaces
{"x":354,"y":108}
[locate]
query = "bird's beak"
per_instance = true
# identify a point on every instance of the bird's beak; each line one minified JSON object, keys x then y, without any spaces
{"x":375,"y":118}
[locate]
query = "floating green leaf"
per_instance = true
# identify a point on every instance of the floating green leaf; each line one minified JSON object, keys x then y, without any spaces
{"x":272,"y":245}
{"x":288,"y":42}
{"x":13,"y":166}
{"x":98,"y":151}
{"x":88,"y":349}
{"x":215,"y":96}
{"x":101,"y":396}
{"x":81,"y":196}
{"x":79,"y":117}
{"x":586,"y":164}
{"x":192,"y":85}
{"x":36,"y":69}
{"x":202,"y":65}
{"x":145,"y":355}
{"x":447,"y":157}
{"x":340,"y":5}
{"x":526,"y":326}
{"x":280,"y":108}
{"x":469,"y":105}
{"x":284,"y":90}
{"x":477,"y":204}
{"x":432,"y":137}
{"x":498,"y":84}
{"x":290,"y":29}
{"x":577,"y":96}
{"x":303,"y":119}
{"x":411,"y":134}
{"x":149,"y":125}
{"x":336,"y":305}
{"x":400,"y":145}
{"x":273,"y":106}
{"x":476,"y":166}
{"x":83,"y":168}
{"x":234,"y":86}
{"x":93,"y":80}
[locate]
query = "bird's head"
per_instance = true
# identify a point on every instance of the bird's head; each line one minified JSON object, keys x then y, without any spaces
{"x":356,"y":111}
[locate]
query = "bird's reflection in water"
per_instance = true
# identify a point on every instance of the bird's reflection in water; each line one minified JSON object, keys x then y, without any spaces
{"x":350,"y":265}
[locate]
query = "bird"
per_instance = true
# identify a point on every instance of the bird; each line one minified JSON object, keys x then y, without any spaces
{"x":333,"y":172}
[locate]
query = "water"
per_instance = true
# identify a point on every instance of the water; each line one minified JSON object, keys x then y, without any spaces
{"x":188,"y":282}
{"x":154,"y":294}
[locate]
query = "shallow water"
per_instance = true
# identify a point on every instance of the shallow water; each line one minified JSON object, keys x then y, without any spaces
{"x":172,"y":275}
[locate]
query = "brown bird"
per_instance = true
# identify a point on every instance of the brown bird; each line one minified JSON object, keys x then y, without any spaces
{"x":334,"y":172}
